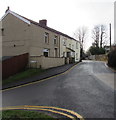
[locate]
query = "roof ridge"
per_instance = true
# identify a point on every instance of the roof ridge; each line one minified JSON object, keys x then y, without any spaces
{"x":29,"y":21}
{"x":53,"y":30}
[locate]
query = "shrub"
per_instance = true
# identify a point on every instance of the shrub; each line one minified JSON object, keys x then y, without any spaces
{"x":96,"y":50}
{"x":112,"y":58}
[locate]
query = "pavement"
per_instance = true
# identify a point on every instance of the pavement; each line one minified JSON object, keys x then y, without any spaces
{"x":79,"y":90}
{"x":48,"y":73}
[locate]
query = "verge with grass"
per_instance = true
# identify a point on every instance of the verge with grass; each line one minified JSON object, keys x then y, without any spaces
{"x":22,"y":75}
{"x":25,"y":115}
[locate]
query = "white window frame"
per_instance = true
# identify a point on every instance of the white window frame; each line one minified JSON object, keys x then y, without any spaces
{"x":76,"y":56}
{"x":47,"y":51}
{"x":55,"y":39}
{"x":76,"y":45}
{"x":46,"y":38}
{"x":64,"y":42}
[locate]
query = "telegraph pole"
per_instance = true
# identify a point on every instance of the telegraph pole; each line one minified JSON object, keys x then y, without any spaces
{"x":110,"y":36}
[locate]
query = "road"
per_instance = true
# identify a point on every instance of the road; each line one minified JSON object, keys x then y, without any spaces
{"x":88,"y":89}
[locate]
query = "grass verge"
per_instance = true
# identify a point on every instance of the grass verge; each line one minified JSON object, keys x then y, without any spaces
{"x":25,"y":115}
{"x":22,"y":75}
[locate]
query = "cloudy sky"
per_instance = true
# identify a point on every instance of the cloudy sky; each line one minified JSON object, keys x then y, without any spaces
{"x":65,"y":15}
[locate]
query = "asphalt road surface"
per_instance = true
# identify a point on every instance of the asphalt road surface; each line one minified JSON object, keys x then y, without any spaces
{"x":87,"y":89}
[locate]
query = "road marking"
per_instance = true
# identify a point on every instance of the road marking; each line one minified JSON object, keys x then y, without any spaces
{"x":57,"y":108}
{"x":49,"y":109}
{"x":38,"y":81}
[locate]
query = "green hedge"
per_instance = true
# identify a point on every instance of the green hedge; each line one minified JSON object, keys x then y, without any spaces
{"x":112,"y":58}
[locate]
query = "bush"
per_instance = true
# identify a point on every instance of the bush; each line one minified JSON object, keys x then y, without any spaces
{"x":96,"y":50}
{"x":112,"y":58}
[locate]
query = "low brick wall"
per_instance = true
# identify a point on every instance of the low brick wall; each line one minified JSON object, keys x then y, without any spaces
{"x":45,"y":62}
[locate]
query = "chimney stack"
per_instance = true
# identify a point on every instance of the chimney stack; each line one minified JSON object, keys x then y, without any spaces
{"x":43,"y":22}
{"x":8,"y":8}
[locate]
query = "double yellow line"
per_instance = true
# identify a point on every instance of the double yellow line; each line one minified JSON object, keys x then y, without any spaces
{"x":60,"y":111}
{"x":39,"y":80}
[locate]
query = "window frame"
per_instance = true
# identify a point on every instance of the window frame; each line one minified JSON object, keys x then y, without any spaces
{"x":55,"y":39}
{"x":76,"y":45}
{"x":76,"y":56}
{"x":46,"y":51}
{"x":46,"y":38}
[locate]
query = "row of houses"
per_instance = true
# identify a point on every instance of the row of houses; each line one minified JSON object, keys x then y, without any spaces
{"x":44,"y":46}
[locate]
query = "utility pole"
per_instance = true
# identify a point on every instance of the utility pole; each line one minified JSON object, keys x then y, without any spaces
{"x":110,"y":36}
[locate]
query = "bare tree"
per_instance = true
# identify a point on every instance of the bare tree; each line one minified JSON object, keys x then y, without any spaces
{"x":81,"y":34}
{"x":99,"y":35}
{"x":103,"y":35}
{"x":95,"y":35}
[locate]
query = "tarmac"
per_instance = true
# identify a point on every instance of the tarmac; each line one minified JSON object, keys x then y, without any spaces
{"x":48,"y":73}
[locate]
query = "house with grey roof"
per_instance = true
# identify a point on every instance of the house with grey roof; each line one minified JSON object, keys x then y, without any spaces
{"x":45,"y":46}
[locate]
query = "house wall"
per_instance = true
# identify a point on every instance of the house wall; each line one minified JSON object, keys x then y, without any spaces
{"x":20,"y":37}
{"x":62,"y":46}
{"x":38,"y":44}
{"x":15,"y":37}
{"x":73,"y":46}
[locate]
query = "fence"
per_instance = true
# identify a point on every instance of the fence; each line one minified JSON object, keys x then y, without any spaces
{"x":45,"y":62}
{"x":14,"y":64}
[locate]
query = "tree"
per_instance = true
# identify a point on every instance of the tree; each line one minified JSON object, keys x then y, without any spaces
{"x":112,"y":58}
{"x":95,"y":36}
{"x":80,"y":35}
{"x":99,"y":35}
{"x":103,"y":35}
{"x":96,"y":50}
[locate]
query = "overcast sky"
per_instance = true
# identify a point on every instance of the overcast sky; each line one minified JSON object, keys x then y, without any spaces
{"x":65,"y":15}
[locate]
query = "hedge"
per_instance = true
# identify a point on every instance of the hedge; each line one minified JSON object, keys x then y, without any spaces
{"x":112,"y":58}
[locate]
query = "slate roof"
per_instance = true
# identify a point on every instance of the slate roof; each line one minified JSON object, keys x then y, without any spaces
{"x":47,"y":28}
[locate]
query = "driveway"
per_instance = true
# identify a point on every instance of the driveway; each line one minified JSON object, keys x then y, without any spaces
{"x":86,"y":89}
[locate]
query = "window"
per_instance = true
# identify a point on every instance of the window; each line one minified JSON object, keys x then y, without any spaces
{"x":2,"y":31}
{"x":55,"y":40}
{"x":69,"y":45}
{"x":64,"y":42}
{"x":63,"y":54}
{"x":46,"y":52}
{"x":76,"y":56}
{"x":55,"y":51}
{"x":72,"y":46}
{"x":76,"y":45}
{"x":46,"y":37}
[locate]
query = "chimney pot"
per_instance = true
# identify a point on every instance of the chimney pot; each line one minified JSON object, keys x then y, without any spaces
{"x":43,"y":22}
{"x":8,"y":8}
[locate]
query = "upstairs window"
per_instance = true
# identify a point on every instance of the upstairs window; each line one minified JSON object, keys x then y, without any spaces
{"x":72,"y":46}
{"x":46,"y":38}
{"x":64,"y":42}
{"x":69,"y":45}
{"x":2,"y":31}
{"x":55,"y":40}
{"x":76,"y":45}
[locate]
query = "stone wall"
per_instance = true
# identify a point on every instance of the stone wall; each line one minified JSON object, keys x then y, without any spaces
{"x":45,"y":62}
